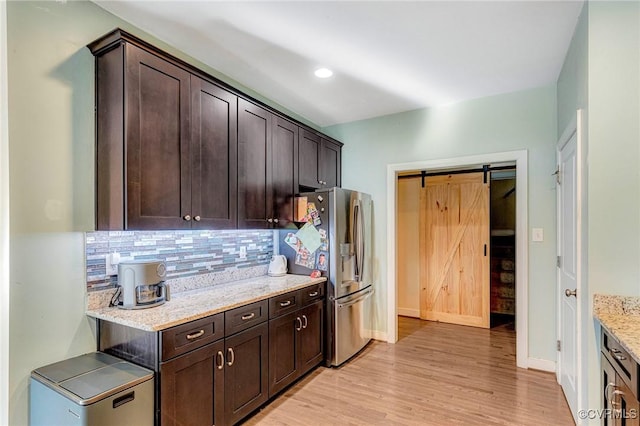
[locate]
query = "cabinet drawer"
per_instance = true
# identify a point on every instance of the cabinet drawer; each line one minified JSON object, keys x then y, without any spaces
{"x":285,"y":303}
{"x":183,"y":338}
{"x":312,"y":293}
{"x":241,"y":318}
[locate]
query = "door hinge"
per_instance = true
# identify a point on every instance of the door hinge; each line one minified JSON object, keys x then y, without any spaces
{"x":558,"y":345}
{"x":558,"y":263}
{"x":557,"y":175}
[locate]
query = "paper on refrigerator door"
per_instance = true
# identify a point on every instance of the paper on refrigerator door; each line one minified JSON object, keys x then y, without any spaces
{"x":300,"y":206}
{"x":309,"y":236}
{"x":313,"y":215}
{"x":305,"y":258}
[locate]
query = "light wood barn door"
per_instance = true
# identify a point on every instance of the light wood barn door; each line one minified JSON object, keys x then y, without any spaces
{"x":454,"y":249}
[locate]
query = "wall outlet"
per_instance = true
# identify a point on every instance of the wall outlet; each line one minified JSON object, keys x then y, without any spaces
{"x":111,"y":264}
{"x":243,"y":252}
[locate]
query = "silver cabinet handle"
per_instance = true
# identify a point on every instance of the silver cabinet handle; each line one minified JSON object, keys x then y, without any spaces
{"x":197,"y":218}
{"x":615,"y":392}
{"x":314,"y":294}
{"x":220,"y":360}
{"x":606,"y":391}
{"x":187,"y":217}
{"x":570,"y":293}
{"x":283,"y":304}
{"x":231,"y":355}
{"x":195,"y":335}
{"x":270,"y":220}
{"x":248,"y":316}
{"x":299,"y":324}
{"x":305,"y":322}
{"x":616,"y":354}
{"x":275,"y":220}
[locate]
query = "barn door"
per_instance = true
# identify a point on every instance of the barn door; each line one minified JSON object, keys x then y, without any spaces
{"x":454,"y":249}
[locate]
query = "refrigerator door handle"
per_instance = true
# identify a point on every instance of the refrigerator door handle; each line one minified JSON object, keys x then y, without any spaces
{"x":361,"y":240}
{"x":355,"y":240}
{"x":358,"y":300}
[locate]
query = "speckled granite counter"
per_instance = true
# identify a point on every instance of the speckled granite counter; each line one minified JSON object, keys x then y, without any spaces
{"x":620,"y":316}
{"x":191,"y":305}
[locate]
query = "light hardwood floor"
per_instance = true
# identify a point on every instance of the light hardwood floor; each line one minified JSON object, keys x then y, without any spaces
{"x":437,"y":374}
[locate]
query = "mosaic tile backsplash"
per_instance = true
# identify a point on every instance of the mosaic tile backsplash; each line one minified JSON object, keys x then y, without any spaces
{"x":186,"y":253}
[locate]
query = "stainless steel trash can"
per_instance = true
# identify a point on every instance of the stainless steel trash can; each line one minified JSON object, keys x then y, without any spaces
{"x":91,"y":389}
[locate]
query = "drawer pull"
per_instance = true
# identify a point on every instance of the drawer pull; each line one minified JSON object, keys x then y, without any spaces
{"x":220,"y":360}
{"x":195,"y":335}
{"x":283,"y":304}
{"x":314,"y":294}
{"x":248,"y":316}
{"x":616,"y":354}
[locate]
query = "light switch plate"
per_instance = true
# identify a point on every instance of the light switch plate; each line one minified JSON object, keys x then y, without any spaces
{"x":537,"y":234}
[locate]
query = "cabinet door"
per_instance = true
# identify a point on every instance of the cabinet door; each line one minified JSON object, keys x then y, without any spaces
{"x":609,"y":384}
{"x":330,"y":164}
{"x":214,"y":151}
{"x":157,"y":142}
{"x":283,"y":356}
{"x":626,"y":408}
{"x":254,"y":181}
{"x":309,"y":159}
{"x":283,"y":154}
{"x":246,"y":377}
{"x":311,"y":339}
{"x":192,"y":388}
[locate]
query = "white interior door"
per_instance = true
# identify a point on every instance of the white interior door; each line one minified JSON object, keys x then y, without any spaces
{"x":568,"y":282}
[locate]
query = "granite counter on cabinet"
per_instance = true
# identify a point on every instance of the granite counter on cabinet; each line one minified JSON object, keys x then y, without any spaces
{"x":195,"y":304}
{"x":620,"y":316}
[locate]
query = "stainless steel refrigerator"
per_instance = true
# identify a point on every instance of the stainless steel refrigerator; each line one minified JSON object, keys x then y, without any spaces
{"x":343,"y":219}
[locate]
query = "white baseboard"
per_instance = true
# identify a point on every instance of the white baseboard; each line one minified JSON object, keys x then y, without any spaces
{"x":541,"y":364}
{"x":378,"y":335}
{"x":408,"y":312}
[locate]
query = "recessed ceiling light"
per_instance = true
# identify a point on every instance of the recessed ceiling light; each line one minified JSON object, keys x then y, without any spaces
{"x":323,"y":73}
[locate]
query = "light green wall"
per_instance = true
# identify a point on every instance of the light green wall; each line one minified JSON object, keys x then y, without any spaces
{"x":572,"y":81}
{"x":51,"y":143}
{"x":515,"y":121}
{"x":614,"y":159}
{"x":601,"y":73}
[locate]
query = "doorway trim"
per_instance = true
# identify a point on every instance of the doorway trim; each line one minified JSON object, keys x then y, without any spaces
{"x":4,"y":219}
{"x":577,"y":126}
{"x":522,"y":239}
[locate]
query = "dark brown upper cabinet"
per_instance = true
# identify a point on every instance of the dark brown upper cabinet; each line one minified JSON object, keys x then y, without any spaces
{"x":178,"y":149}
{"x":214,"y":153}
{"x":284,"y":184}
{"x":166,"y":148}
{"x":319,"y":161}
{"x":267,"y":147}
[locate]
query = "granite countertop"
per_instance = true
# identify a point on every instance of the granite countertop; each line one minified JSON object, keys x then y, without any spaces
{"x":194,"y":304}
{"x":620,"y":316}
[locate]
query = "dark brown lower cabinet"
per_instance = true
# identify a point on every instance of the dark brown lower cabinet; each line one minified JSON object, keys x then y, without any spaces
{"x":219,"y":369}
{"x":620,"y":374}
{"x":192,"y":388}
{"x":295,"y":345}
{"x":246,"y":372}
{"x":312,"y":336}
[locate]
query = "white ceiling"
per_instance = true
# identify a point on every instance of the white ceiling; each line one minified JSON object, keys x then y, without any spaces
{"x":387,"y":56}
